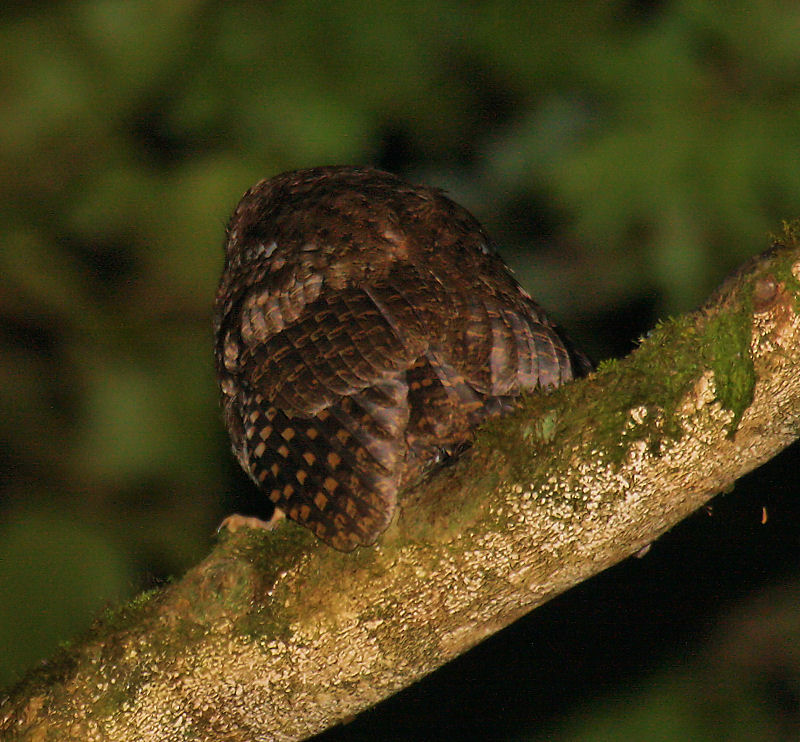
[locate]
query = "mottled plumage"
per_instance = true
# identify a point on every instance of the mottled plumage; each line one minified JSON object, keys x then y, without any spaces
{"x":364,"y":327}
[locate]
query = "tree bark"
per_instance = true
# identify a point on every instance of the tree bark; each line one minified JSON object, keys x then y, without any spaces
{"x":276,"y":636}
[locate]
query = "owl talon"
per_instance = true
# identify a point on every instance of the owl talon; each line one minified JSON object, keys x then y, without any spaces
{"x":236,"y":521}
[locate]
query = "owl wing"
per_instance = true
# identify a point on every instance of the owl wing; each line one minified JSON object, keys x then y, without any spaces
{"x":512,"y":347}
{"x":326,"y":406}
{"x":502,"y":343}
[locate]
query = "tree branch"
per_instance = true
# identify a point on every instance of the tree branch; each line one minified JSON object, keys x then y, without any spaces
{"x":276,"y":636}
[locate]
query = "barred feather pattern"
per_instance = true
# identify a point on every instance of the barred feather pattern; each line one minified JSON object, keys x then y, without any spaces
{"x":364,"y":328}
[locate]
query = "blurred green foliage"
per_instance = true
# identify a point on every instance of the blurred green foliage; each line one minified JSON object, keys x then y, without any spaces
{"x":622,"y":153}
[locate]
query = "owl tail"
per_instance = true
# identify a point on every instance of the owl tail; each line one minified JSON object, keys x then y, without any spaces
{"x":335,"y":472}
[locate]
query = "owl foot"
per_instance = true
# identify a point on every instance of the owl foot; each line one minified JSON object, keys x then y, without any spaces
{"x":236,"y":521}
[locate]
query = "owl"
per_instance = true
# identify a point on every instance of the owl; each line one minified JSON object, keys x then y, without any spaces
{"x":364,"y":327}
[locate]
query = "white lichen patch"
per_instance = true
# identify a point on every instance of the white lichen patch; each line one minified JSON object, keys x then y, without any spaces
{"x":775,"y":330}
{"x":637,"y":415}
{"x":703,"y":393}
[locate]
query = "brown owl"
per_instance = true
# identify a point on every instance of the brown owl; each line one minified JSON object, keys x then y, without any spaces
{"x":364,"y":327}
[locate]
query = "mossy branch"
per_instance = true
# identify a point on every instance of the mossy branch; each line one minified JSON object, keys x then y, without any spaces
{"x":276,"y":636}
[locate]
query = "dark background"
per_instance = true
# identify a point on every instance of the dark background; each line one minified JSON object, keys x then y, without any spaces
{"x":625,"y":155}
